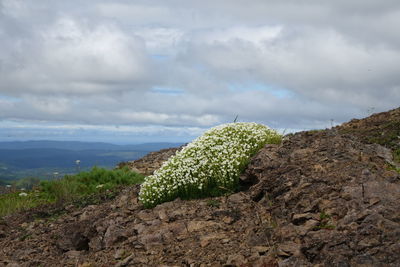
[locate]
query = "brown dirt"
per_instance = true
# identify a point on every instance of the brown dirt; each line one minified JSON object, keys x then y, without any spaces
{"x":322,"y":198}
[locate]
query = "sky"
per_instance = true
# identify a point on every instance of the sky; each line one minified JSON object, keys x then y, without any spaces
{"x":166,"y":70}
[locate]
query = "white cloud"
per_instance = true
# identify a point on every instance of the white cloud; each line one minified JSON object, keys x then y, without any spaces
{"x":297,"y":65}
{"x":255,"y":35}
{"x":101,"y":54}
{"x":138,"y":13}
{"x":71,"y":57}
{"x":160,"y":41}
{"x":17,"y":130}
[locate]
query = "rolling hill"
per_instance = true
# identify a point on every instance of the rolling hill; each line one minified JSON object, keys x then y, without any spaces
{"x":44,"y":158}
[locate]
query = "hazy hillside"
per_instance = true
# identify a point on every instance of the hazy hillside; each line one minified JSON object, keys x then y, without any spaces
{"x":76,"y":145}
{"x":43,"y":158}
{"x":63,"y":158}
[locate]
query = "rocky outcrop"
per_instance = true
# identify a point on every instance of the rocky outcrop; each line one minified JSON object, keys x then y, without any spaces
{"x":224,"y":231}
{"x":380,"y":128}
{"x":321,"y":198}
{"x":333,"y":199}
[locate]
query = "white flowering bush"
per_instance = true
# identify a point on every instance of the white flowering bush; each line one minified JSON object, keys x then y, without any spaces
{"x":208,"y":166}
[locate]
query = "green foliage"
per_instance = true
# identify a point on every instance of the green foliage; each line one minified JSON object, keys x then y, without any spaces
{"x":388,"y":135}
{"x":209,"y":166}
{"x":13,"y":202}
{"x":324,"y":216}
{"x":391,"y":167}
{"x":86,"y":183}
{"x":213,"y":203}
{"x":396,"y":155}
{"x":83,"y":187}
{"x":324,"y":220}
{"x":396,"y":158}
{"x":27,"y":183}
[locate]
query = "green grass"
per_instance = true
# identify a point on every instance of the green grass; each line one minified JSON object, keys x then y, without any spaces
{"x":324,"y":220}
{"x":86,"y":183}
{"x":391,"y":167}
{"x":10,"y":203}
{"x":396,"y":155}
{"x":82,"y":186}
{"x":396,"y":158}
{"x":213,"y":203}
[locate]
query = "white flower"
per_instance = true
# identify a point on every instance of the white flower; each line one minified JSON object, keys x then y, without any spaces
{"x":23,"y":194}
{"x":212,"y":160}
{"x":100,"y":186}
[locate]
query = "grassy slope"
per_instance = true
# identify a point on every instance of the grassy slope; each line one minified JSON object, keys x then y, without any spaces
{"x":68,"y":189}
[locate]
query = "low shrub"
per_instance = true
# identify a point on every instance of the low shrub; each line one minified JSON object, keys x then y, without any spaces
{"x":86,"y":183}
{"x":83,"y":187}
{"x":13,"y":202}
{"x":209,"y":166}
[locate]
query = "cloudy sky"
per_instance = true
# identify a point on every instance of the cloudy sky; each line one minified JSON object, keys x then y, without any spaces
{"x":165,"y":70}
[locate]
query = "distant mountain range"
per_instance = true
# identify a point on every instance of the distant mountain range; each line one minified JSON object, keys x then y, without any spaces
{"x":77,"y":145}
{"x":45,"y":158}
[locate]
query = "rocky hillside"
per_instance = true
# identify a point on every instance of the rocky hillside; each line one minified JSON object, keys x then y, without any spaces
{"x":321,"y":198}
{"x":381,"y":128}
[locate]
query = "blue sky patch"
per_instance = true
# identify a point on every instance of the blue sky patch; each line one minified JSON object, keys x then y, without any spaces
{"x":274,"y":90}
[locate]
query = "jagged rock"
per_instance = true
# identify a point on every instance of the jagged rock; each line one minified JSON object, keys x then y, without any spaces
{"x":126,"y":261}
{"x":214,"y":237}
{"x":198,"y":225}
{"x":178,"y":229}
{"x":75,"y":236}
{"x":238,"y":198}
{"x":342,"y":189}
{"x":302,"y":218}
{"x":147,"y":239}
{"x":113,"y":235}
{"x":289,"y":248}
{"x":119,"y":254}
{"x":73,"y":254}
{"x":146,"y":215}
{"x":236,"y":260}
{"x":162,"y":214}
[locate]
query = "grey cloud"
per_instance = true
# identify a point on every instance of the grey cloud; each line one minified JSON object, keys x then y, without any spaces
{"x":324,"y":66}
{"x":99,"y":62}
{"x":70,"y":57}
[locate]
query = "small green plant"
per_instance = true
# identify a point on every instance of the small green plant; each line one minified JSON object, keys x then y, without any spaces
{"x":324,"y":219}
{"x":213,"y":203}
{"x":396,"y":155}
{"x":209,"y":166}
{"x":324,"y":216}
{"x":25,"y":236}
{"x":391,"y":167}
